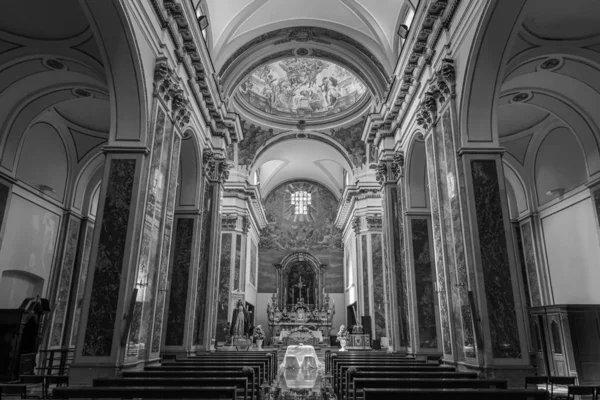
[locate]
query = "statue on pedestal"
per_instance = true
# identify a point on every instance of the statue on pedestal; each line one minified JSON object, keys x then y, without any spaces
{"x":239,"y":321}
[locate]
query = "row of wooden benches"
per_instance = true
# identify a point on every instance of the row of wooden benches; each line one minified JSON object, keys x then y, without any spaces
{"x":388,"y":376}
{"x":206,"y":376}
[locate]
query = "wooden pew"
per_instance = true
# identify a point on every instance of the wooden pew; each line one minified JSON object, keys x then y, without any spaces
{"x":359,"y":384}
{"x":455,"y":394}
{"x":329,"y":355}
{"x":340,"y":369}
{"x":212,"y":358}
{"x":241,"y":383}
{"x":270,"y":354}
{"x":218,"y":392}
{"x":247,"y":373}
{"x":386,"y":374}
{"x":258,"y":369}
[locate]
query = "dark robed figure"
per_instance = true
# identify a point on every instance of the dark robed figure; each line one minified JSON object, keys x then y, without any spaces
{"x":239,"y":322}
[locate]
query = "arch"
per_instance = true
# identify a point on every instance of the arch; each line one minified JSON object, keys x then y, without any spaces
{"x":559,"y":165}
{"x":517,"y":185}
{"x":89,"y":176}
{"x":43,"y":161}
{"x":122,"y":60}
{"x":569,"y":100}
{"x":287,"y":263}
{"x":484,"y":71}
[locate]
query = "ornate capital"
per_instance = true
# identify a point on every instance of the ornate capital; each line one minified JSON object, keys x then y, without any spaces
{"x":216,"y":167}
{"x":229,"y":222}
{"x":168,"y":89}
{"x":246,"y":224}
{"x":356,"y":225}
{"x":391,"y":169}
{"x":374,"y":222}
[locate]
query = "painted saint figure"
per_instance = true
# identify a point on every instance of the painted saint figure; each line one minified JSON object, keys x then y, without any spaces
{"x":239,"y":322}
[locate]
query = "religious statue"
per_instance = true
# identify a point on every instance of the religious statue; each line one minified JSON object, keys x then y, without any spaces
{"x":239,"y":322}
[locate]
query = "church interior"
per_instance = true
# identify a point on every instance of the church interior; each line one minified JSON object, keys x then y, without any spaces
{"x":318,"y":199}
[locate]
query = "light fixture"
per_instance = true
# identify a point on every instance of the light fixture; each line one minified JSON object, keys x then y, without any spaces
{"x":403,"y":31}
{"x":203,"y":21}
{"x":556,"y":192}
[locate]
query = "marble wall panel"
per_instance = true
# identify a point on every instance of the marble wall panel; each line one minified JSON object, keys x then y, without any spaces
{"x":397,"y":220}
{"x":365,"y":275}
{"x":439,"y":251}
{"x":461,"y":292}
{"x":253,"y":262}
{"x":223,"y":285}
{"x":178,"y":292}
{"x":64,"y":281}
{"x":237,"y":264}
{"x":102,"y":311}
{"x":495,"y":260}
{"x":80,"y":286}
{"x":386,"y":284}
{"x":521,"y":262}
{"x":167,"y":233}
{"x":424,"y":278}
{"x":203,"y":268}
{"x":528,"y":251}
{"x":145,"y":274}
{"x":378,"y":291}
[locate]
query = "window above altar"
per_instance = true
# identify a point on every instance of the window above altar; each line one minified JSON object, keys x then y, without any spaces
{"x":301,"y":200}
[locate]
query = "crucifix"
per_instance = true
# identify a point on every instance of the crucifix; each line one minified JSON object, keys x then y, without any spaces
{"x":300,"y":285}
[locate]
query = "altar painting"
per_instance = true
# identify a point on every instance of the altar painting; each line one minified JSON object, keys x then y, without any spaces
{"x":301,"y":284}
{"x":307,"y":88}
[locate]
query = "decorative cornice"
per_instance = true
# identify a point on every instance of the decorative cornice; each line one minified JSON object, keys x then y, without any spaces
{"x":425,"y":39}
{"x":229,"y":222}
{"x":389,"y":170}
{"x":374,"y":222}
{"x":210,"y":93}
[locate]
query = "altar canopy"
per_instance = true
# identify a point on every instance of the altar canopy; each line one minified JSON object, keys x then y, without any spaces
{"x":301,"y":356}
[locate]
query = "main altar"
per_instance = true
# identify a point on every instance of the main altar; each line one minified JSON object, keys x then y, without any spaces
{"x":300,"y":311}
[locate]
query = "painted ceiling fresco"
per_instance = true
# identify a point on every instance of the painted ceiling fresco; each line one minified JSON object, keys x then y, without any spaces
{"x":314,"y":231}
{"x":302,"y":88}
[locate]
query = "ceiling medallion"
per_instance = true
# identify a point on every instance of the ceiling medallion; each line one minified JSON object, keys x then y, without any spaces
{"x":305,"y":88}
{"x":301,"y":136}
{"x":53,"y":63}
{"x":79,"y":92}
{"x":520,"y":97}
{"x":550,"y":64}
{"x":302,"y":52}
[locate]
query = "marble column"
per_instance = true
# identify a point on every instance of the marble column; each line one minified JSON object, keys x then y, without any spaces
{"x":389,"y":171}
{"x":80,"y":278}
{"x":228,"y":265}
{"x":131,"y":236}
{"x":216,"y":172}
{"x":100,"y":347}
{"x":475,"y":257}
{"x":64,"y":283}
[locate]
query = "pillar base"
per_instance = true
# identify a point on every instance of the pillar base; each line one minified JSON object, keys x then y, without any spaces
{"x":513,"y":374}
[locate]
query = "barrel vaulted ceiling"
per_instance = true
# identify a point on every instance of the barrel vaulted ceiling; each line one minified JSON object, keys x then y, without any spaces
{"x":255,"y":45}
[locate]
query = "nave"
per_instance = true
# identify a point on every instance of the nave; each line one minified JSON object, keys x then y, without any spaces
{"x":225,"y":195}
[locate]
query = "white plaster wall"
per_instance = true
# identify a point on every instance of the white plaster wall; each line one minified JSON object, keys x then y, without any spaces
{"x":29,"y":245}
{"x":573,"y":250}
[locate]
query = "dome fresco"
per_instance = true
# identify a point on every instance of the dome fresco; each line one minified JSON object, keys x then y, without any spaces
{"x":302,"y":88}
